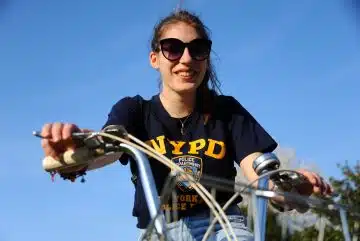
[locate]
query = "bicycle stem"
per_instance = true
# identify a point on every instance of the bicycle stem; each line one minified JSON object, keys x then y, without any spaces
{"x":149,"y":187}
{"x":263,"y":164}
{"x":262,"y":210}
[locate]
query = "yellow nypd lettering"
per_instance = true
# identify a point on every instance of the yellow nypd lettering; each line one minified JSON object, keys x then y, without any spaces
{"x":177,"y":146}
{"x":212,"y":148}
{"x":158,"y":144}
{"x":196,"y":146}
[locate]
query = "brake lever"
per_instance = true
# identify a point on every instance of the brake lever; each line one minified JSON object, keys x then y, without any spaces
{"x":75,"y":135}
{"x":80,"y":139}
{"x":287,"y":181}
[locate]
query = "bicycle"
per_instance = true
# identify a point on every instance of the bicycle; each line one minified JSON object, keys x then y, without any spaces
{"x":97,"y":149}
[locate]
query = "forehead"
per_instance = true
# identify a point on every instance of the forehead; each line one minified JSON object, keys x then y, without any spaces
{"x":180,"y":30}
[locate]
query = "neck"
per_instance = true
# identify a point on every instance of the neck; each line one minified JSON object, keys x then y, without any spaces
{"x":178,"y":105}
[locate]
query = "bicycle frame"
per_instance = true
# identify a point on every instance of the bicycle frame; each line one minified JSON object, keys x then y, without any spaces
{"x":260,"y":198}
{"x":149,"y":187}
{"x":153,"y":202}
{"x":261,"y":212}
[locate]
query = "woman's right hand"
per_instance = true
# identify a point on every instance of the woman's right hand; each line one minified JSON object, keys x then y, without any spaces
{"x":57,"y":138}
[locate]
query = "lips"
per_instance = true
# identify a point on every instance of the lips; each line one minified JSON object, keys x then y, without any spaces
{"x":186,"y":74}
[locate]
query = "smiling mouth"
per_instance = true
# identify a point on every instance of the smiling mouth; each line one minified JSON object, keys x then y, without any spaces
{"x":186,"y":74}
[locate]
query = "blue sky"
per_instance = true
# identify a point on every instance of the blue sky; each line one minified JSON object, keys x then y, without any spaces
{"x":295,"y":65}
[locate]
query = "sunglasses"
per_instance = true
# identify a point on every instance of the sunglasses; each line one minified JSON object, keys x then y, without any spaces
{"x":173,"y":49}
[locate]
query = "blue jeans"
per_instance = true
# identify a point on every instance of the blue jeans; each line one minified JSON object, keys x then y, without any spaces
{"x":193,"y":228}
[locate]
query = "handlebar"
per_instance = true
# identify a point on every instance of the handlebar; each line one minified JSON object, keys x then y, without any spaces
{"x":105,"y":147}
{"x":83,"y":157}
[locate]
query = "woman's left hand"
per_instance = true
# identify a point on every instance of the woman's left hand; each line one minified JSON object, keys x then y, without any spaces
{"x":315,"y":185}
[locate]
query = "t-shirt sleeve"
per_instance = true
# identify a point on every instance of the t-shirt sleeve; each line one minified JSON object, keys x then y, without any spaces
{"x":247,"y":134}
{"x":125,"y":112}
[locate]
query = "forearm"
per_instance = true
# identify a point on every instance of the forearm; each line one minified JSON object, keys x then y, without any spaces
{"x":247,"y":167}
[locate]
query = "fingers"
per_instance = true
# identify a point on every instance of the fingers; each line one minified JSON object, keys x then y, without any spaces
{"x":46,"y":130}
{"x":56,"y":131}
{"x":316,"y":181}
{"x":319,"y":185}
{"x":67,"y":130}
{"x":322,"y":186}
{"x":328,"y":188}
{"x":57,"y":138}
{"x":45,"y":142}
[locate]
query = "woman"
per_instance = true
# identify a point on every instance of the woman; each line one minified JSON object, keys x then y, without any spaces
{"x":201,"y":131}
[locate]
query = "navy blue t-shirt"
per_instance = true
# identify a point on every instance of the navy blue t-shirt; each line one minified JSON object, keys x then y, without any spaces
{"x":211,"y":142}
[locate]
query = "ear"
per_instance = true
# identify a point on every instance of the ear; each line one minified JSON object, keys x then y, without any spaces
{"x":154,"y":60}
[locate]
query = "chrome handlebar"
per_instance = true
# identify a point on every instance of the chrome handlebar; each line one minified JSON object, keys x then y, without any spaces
{"x":264,"y":164}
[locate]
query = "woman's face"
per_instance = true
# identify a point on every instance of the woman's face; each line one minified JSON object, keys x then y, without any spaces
{"x":182,"y":69}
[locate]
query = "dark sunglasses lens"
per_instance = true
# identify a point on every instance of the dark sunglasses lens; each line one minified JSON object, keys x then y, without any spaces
{"x":172,"y":48}
{"x":200,"y":49}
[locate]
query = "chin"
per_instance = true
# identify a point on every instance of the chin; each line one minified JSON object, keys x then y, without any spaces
{"x":186,"y":88}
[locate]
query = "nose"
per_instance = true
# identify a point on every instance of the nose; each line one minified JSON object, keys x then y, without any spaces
{"x":186,"y":57}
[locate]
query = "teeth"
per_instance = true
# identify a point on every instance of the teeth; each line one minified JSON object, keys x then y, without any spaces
{"x":186,"y":73}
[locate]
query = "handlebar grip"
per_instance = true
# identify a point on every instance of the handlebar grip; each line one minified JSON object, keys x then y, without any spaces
{"x":70,"y":158}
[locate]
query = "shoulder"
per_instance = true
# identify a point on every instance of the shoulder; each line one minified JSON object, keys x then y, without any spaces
{"x":226,"y":104}
{"x":125,"y":108}
{"x":225,"y":99}
{"x":129,"y":101}
{"x":230,"y":109}
{"x":126,"y":111}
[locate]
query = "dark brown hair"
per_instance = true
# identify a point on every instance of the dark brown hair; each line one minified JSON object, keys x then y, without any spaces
{"x":210,"y":85}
